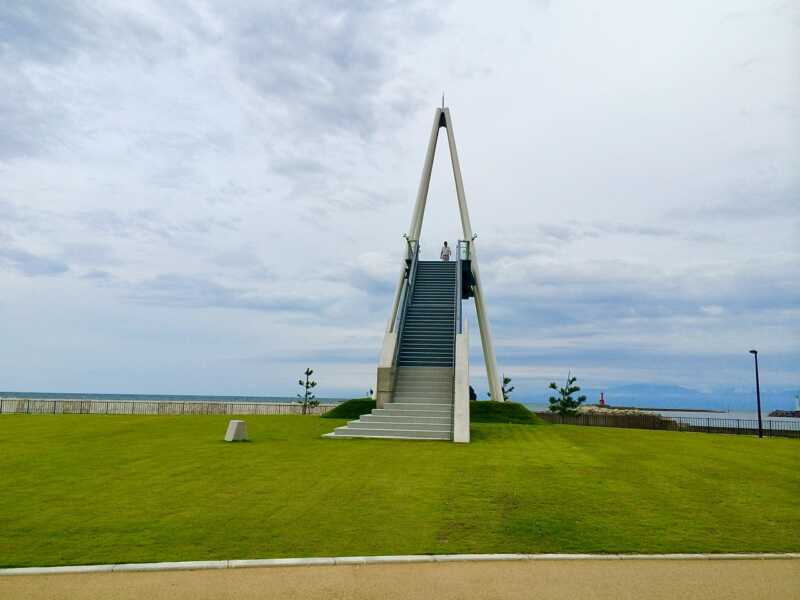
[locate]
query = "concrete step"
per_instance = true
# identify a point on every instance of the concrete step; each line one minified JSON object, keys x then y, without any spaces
{"x":433,"y":391}
{"x":427,"y":381}
{"x":400,"y":434}
{"x":405,"y":425}
{"x":441,"y":389}
{"x":429,"y":411}
{"x":439,"y":385}
{"x":440,"y":400}
{"x":443,"y":420}
{"x":415,"y":405}
{"x":438,"y":388}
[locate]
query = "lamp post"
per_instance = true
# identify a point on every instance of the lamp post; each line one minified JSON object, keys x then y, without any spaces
{"x":758,"y":394}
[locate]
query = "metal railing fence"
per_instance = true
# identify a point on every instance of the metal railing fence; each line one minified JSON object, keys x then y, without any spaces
{"x":771,"y":427}
{"x":39,"y":406}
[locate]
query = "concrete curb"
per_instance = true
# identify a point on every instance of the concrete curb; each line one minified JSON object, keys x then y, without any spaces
{"x":373,"y":560}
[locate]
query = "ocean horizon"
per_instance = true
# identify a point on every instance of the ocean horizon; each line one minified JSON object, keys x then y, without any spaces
{"x":159,"y":397}
{"x":531,"y":405}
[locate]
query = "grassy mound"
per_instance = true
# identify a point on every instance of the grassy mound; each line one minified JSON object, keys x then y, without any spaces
{"x":483,"y":411}
{"x":352,"y":409}
{"x":487,"y":411}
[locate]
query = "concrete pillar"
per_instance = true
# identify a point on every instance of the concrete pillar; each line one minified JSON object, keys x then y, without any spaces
{"x":384,"y":391}
{"x":461,"y":387}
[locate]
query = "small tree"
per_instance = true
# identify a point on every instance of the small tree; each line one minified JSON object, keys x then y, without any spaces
{"x":307,"y":399}
{"x":472,"y":394}
{"x":565,"y":404}
{"x":505,"y":389}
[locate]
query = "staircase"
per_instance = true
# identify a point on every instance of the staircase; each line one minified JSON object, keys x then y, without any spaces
{"x":422,"y":407}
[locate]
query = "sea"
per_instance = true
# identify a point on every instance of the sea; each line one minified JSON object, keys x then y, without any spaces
{"x":534,"y":406}
{"x":158,"y":397}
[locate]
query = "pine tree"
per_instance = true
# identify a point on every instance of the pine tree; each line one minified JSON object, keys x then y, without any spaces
{"x":307,"y":398}
{"x":564,"y":404}
{"x":505,"y":389}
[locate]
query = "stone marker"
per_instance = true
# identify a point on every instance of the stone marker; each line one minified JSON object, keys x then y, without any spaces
{"x":237,"y":431}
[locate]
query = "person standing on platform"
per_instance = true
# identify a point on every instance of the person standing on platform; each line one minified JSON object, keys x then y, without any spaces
{"x":445,"y":253}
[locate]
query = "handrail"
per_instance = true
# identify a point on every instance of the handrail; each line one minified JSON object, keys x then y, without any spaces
{"x":457,"y":311}
{"x":459,"y":283}
{"x":408,"y":291}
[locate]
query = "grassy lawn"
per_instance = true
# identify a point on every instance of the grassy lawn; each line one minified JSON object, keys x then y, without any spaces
{"x":79,"y":489}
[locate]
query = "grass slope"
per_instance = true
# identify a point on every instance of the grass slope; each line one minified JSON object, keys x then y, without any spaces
{"x":480,"y":412}
{"x":80,"y":489}
{"x":487,"y":411}
{"x":352,"y":409}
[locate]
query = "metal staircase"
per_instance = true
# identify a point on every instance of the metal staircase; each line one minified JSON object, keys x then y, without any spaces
{"x":422,"y":405}
{"x":427,"y":335}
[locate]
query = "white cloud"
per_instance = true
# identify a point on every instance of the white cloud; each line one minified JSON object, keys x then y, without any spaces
{"x":226,"y":187}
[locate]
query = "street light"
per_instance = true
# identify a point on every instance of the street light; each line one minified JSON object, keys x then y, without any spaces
{"x":758,"y":394}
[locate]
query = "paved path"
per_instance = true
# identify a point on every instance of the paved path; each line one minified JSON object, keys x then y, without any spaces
{"x":542,"y":580}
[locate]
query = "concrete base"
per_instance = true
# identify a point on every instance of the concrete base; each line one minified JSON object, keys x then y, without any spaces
{"x":385,"y":391}
{"x":237,"y":432}
{"x":461,"y":387}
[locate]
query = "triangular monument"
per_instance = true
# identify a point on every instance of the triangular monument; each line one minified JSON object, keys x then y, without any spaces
{"x":422,"y":387}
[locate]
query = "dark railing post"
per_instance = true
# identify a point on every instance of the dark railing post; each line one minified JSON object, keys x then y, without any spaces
{"x":758,"y":394}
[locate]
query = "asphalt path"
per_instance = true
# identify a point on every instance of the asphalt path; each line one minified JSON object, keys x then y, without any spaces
{"x":542,"y":580}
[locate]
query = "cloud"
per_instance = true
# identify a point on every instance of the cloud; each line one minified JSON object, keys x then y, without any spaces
{"x":186,"y":291}
{"x":261,"y":161}
{"x":30,"y":264}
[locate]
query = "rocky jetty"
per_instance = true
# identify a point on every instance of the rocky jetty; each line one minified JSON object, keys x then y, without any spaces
{"x":785,"y":413}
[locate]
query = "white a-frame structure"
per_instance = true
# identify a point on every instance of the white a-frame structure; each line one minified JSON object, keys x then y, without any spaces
{"x":423,"y":372}
{"x":443,"y":120}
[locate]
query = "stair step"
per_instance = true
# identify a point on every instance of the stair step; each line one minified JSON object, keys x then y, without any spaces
{"x":424,"y":378}
{"x":401,"y":434}
{"x":405,"y":424}
{"x":414,"y":404}
{"x":425,"y":363}
{"x":423,"y":384}
{"x":446,"y":410}
{"x":422,"y":396}
{"x":378,"y":419}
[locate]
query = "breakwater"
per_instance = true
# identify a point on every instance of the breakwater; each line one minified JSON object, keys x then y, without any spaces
{"x":67,"y":406}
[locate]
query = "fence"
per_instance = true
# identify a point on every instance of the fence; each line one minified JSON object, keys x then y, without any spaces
{"x":35,"y":406}
{"x":771,"y":427}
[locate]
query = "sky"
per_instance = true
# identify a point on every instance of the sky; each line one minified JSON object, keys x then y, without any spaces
{"x":207,"y":198}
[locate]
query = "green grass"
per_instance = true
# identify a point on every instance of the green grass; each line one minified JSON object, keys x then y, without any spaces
{"x":80,"y":489}
{"x":486,"y":411}
{"x":352,"y":409}
{"x":480,"y":412}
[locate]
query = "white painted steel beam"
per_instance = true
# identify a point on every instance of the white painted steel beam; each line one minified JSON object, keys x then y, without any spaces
{"x":415,"y":229}
{"x":480,"y":304}
{"x":415,"y":226}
